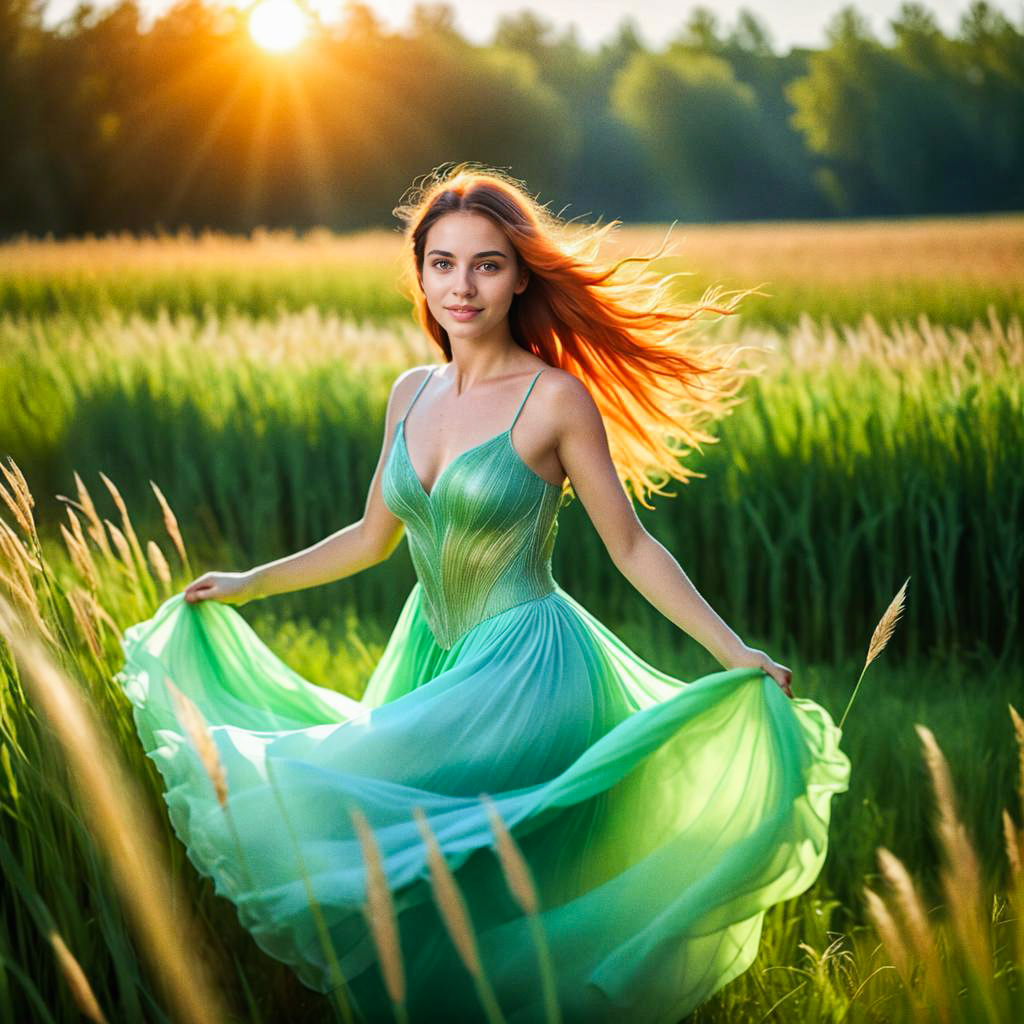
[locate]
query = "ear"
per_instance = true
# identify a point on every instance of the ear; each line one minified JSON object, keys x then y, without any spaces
{"x":524,"y":280}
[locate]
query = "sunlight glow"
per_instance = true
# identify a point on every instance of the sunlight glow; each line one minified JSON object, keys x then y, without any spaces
{"x":278,"y":25}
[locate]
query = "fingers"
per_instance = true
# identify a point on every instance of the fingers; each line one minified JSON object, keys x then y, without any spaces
{"x":786,"y":682}
{"x":198,"y":592}
{"x":784,"y":677}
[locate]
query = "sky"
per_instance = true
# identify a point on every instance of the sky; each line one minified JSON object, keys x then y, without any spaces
{"x":790,"y":22}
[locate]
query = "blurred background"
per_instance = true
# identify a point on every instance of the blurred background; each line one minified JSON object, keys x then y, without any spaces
{"x":281,"y":113}
{"x":201,"y":319}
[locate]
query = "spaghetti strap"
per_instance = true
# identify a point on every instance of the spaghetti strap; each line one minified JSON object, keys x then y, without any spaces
{"x":523,"y":402}
{"x":423,"y":384}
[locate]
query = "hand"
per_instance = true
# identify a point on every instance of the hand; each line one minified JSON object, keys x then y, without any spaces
{"x":751,"y":657}
{"x":226,"y":587}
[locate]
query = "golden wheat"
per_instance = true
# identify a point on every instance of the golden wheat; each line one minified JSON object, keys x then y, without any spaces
{"x":171,"y":525}
{"x":81,"y":990}
{"x":513,"y":865}
{"x":961,"y":873}
{"x":115,"y":809}
{"x":195,"y":725}
{"x":883,"y":631}
{"x":380,"y":911}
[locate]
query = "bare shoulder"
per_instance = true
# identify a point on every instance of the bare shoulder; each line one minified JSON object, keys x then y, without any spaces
{"x":566,"y":397}
{"x":406,"y":383}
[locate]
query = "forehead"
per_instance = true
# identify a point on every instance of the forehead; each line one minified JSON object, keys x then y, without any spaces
{"x":462,"y":231}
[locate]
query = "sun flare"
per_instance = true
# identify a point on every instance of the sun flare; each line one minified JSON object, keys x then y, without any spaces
{"x":278,"y":25}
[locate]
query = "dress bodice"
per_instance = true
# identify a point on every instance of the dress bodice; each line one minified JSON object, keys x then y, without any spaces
{"x":481,"y":540}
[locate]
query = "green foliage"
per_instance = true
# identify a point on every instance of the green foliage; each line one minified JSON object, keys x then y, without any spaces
{"x":925,"y":126}
{"x":110,"y":126}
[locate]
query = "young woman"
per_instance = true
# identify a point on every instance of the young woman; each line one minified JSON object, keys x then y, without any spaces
{"x":659,"y":818}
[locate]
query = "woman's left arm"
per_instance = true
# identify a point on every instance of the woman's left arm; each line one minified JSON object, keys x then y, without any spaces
{"x":640,"y":557}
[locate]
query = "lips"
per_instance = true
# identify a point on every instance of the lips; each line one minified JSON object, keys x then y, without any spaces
{"x":463,"y":309}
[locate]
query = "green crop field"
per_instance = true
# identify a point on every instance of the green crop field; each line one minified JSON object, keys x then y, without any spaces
{"x":181,"y":404}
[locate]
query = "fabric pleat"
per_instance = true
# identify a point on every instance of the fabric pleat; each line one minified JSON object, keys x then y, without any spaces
{"x":659,"y":817}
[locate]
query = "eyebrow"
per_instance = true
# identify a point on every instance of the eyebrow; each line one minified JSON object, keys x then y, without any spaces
{"x":441,"y":252}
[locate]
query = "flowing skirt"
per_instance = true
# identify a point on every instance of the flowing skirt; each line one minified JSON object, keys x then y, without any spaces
{"x":659,"y":818}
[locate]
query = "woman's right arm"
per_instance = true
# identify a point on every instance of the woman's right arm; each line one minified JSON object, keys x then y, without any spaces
{"x":362,"y":544}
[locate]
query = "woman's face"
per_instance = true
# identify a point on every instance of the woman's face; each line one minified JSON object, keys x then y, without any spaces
{"x":469,"y":262}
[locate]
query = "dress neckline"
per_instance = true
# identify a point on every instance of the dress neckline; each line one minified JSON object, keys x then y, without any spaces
{"x":503,"y":435}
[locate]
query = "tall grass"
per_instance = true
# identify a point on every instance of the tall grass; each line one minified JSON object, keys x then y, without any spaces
{"x":859,"y":455}
{"x":959,"y":962}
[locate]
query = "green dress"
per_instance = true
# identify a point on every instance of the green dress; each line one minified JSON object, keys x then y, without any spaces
{"x":659,"y":817}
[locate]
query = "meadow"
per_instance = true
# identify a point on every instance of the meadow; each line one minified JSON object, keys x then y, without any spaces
{"x":182,"y":403}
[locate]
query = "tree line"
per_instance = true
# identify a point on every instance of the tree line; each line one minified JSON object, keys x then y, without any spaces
{"x":107,"y":125}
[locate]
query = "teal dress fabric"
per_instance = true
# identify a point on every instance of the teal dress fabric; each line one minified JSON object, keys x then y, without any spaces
{"x":659,"y":817}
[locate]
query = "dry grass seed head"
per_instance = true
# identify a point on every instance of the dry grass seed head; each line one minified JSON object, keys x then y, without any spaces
{"x":961,"y":873}
{"x":80,"y":558}
{"x":170,"y":524}
{"x":95,"y":526}
{"x":449,"y":899}
{"x":124,"y":550}
{"x":889,"y":933}
{"x":192,"y":719}
{"x":158,"y":562}
{"x":81,"y":990}
{"x":886,"y":625}
{"x":19,"y":500}
{"x":380,"y":910}
{"x":513,"y":864}
{"x":79,"y":602}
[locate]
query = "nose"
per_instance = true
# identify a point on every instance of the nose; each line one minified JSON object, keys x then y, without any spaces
{"x":464,"y":287}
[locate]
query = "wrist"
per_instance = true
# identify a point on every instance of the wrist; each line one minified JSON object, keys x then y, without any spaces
{"x":738,"y":655}
{"x":256,"y":584}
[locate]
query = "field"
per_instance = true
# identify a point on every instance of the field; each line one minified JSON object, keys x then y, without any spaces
{"x":881,"y":439}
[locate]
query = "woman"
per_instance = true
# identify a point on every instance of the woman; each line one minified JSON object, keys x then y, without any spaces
{"x":659,"y":818}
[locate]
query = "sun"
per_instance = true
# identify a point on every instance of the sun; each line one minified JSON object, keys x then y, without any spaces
{"x":278,"y":25}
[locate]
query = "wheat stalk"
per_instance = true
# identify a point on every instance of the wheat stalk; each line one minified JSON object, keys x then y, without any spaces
{"x":81,"y":990}
{"x":20,"y":500}
{"x":171,"y":525}
{"x":879,"y":638}
{"x":961,"y":874}
{"x":126,"y":522}
{"x":79,"y":602}
{"x":89,"y":511}
{"x":521,"y":885}
{"x":20,"y":587}
{"x":80,"y":558}
{"x":124,"y":550}
{"x":192,"y":719}
{"x":1015,"y":841}
{"x":159,"y":563}
{"x":456,"y":917}
{"x":916,"y":922}
{"x":15,"y":550}
{"x":118,"y":819}
{"x":380,"y":913}
{"x":514,"y":867}
{"x":889,"y":932}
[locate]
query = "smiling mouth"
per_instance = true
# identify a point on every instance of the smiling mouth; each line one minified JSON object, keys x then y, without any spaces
{"x":463,"y":309}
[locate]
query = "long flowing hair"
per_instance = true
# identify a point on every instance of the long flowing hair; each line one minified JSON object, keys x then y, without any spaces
{"x":623,"y":339}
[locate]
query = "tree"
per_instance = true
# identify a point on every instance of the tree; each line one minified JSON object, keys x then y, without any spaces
{"x":751,"y":35}
{"x":701,"y":127}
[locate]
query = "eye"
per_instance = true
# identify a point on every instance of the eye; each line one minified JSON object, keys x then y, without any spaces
{"x":486,"y":263}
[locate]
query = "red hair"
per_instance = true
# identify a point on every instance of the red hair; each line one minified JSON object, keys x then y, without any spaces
{"x":622,"y":339}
